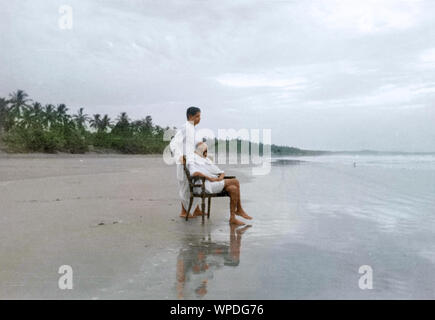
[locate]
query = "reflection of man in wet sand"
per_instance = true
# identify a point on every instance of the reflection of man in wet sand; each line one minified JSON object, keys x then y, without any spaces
{"x":203,"y":167}
{"x":198,"y":262}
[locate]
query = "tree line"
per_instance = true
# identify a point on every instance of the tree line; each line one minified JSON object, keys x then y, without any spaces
{"x":29,"y":126}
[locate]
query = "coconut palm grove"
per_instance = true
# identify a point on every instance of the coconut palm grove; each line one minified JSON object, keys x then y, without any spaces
{"x":29,"y":126}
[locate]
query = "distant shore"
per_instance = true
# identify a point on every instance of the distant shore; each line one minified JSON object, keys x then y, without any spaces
{"x":111,"y":152}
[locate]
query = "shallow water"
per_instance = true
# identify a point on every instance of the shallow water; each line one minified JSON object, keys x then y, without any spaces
{"x":316,"y":222}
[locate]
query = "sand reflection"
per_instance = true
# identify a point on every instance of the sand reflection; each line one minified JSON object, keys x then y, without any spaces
{"x":198,"y":260}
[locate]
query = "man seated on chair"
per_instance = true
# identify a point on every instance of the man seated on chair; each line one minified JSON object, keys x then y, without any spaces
{"x":214,"y":182}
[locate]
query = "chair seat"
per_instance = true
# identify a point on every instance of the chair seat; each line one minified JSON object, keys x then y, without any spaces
{"x":223,"y":193}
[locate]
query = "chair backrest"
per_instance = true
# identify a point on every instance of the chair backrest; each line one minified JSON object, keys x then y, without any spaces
{"x":187,"y":172}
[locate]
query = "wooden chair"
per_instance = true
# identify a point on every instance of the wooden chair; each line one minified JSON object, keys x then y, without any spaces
{"x":200,"y":182}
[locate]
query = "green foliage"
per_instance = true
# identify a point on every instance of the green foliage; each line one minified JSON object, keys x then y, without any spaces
{"x":27,"y":126}
{"x":292,"y":151}
{"x":31,"y":127}
{"x":248,"y":147}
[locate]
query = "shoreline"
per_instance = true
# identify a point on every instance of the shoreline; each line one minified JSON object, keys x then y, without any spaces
{"x":4,"y":154}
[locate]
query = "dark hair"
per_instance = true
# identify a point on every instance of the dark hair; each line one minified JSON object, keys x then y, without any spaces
{"x":191,"y":111}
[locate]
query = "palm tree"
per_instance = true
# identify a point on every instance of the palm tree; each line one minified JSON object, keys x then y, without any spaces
{"x":122,"y":125}
{"x":49,"y":116}
{"x":61,"y":113}
{"x":123,"y":118}
{"x":158,"y":131}
{"x":105,"y":123}
{"x":144,"y":126}
{"x":25,"y":120}
{"x":32,"y":116}
{"x":37,"y":112}
{"x":96,"y":121}
{"x":148,"y":123}
{"x":80,"y":119}
{"x":19,"y":101}
{"x":137,"y":125}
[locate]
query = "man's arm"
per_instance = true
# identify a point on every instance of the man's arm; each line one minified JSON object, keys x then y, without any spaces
{"x":176,"y":146}
{"x":221,"y":177}
{"x":211,"y":179}
{"x":189,"y":142}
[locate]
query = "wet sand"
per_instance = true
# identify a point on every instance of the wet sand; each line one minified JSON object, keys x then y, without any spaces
{"x":114,"y":220}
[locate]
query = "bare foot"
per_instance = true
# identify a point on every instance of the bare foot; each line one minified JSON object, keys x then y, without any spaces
{"x":183,"y":215}
{"x":243,"y":214}
{"x":197,"y":212}
{"x":236,"y":222}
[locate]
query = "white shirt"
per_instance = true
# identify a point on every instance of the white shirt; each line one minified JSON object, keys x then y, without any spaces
{"x":183,"y":143}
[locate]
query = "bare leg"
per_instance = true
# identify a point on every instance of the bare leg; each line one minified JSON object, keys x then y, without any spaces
{"x":232,"y":190}
{"x":196,"y":213}
{"x":239,"y":210}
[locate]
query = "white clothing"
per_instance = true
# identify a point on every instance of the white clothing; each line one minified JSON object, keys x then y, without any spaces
{"x":183,"y":143}
{"x":207,"y":167}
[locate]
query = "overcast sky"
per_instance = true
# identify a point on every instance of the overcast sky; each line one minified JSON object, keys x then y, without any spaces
{"x":329,"y":75}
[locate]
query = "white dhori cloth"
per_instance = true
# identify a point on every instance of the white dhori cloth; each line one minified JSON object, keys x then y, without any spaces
{"x":205,"y":166}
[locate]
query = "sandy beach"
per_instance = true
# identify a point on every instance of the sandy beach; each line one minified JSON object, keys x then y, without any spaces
{"x":111,"y":217}
{"x":114,"y":220}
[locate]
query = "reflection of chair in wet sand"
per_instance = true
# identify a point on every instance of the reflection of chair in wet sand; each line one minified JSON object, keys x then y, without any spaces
{"x":196,"y":262}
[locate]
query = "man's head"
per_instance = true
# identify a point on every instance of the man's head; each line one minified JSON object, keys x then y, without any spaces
{"x":201,"y":149}
{"x":193,"y":114}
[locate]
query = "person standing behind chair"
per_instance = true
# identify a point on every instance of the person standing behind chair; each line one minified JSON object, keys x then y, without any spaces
{"x":183,"y":144}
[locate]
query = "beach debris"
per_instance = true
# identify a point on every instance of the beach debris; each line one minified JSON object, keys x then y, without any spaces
{"x":57,"y":199}
{"x":102,"y":223}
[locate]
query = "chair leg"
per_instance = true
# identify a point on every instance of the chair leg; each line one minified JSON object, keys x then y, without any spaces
{"x":188,"y":210}
{"x":208,"y":210}
{"x":203,"y":208}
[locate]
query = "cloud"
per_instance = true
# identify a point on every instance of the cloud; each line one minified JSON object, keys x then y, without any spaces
{"x":427,"y":57}
{"x":261,"y":80}
{"x":368,"y":16}
{"x":313,"y":63}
